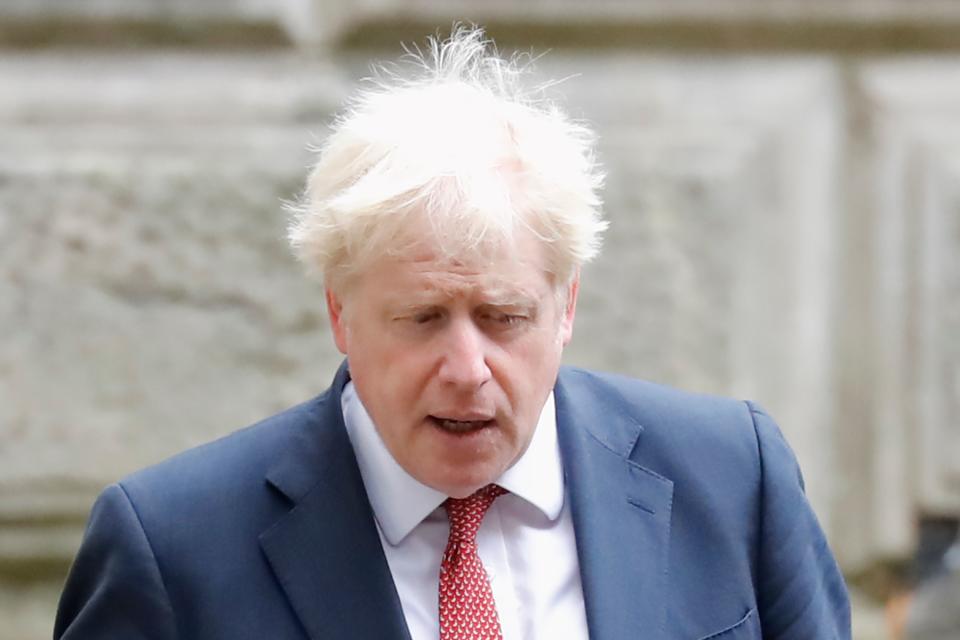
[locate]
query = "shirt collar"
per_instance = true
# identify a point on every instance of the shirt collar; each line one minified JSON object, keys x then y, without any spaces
{"x":400,"y":502}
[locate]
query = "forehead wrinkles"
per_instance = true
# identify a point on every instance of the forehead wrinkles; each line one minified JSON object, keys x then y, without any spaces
{"x":453,"y":281}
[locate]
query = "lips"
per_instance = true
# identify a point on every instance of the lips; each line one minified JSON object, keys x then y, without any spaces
{"x":451,"y":425}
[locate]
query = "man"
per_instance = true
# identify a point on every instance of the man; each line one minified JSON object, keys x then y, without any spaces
{"x":454,"y":481}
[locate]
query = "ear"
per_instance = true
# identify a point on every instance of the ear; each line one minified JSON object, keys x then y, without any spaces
{"x":570,"y":310}
{"x":338,"y":323}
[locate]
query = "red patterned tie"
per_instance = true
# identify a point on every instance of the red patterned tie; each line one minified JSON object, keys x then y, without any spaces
{"x":467,"y":609}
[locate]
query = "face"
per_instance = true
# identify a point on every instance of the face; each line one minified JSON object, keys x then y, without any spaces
{"x":452,"y":360}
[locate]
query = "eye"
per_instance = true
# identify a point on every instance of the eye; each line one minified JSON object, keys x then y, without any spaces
{"x":503,"y":318}
{"x":425,"y":317}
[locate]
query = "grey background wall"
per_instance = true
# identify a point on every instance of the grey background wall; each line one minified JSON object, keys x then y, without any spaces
{"x":783,"y":193}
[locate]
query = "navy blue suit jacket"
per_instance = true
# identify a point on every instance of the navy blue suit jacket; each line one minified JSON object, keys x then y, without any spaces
{"x":689,"y":515}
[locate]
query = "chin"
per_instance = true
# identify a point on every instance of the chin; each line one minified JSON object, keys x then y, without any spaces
{"x":463,"y":486}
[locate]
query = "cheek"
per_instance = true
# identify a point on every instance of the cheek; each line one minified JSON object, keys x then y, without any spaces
{"x":532,"y":366}
{"x":549,"y":345}
{"x":404,"y":375}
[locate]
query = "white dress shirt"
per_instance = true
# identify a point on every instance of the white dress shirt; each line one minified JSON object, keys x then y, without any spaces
{"x":526,"y":541}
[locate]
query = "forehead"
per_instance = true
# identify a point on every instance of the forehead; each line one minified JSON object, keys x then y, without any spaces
{"x":509,"y":274}
{"x":500,"y":279}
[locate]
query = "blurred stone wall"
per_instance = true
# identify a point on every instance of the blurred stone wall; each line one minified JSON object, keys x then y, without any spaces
{"x":783,"y":194}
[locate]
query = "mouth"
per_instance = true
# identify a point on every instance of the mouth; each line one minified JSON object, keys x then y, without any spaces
{"x":450,"y":425}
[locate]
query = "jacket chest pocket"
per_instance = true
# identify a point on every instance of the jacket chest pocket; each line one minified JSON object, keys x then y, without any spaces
{"x":748,"y":628}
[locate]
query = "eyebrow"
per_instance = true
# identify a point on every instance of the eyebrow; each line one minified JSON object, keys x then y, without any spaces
{"x":495,"y":297}
{"x":519,"y":299}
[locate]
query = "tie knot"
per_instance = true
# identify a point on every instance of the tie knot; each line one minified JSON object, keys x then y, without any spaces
{"x":466,"y":514}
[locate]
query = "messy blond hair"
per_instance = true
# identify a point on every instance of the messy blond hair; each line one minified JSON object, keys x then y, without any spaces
{"x":448,"y":142}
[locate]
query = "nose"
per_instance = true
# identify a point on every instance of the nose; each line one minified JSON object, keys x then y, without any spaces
{"x":464,"y":362}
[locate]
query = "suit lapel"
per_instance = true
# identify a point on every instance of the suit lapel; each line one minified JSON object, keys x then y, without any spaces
{"x":325,"y":551}
{"x":327,"y":555}
{"x":621,"y":511}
